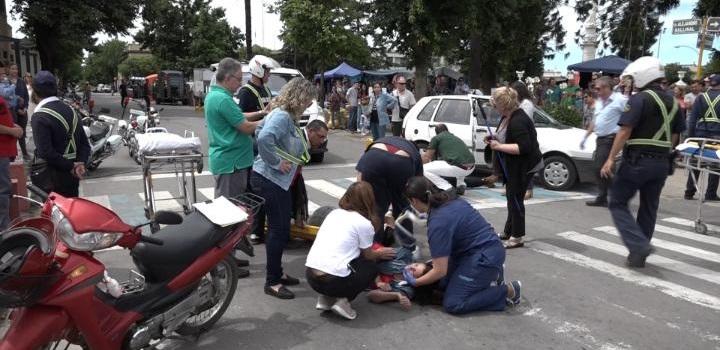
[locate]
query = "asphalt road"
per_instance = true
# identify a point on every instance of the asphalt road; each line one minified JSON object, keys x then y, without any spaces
{"x":576,"y":292}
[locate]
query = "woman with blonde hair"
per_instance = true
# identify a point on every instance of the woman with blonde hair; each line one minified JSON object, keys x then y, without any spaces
{"x":516,"y":143}
{"x":282,"y":149}
{"x":341,"y":262}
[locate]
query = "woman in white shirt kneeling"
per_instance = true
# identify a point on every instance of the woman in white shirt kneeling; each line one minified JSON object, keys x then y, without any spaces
{"x":341,"y":263}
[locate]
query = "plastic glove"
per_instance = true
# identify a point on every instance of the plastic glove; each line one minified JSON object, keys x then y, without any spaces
{"x":407,"y":273}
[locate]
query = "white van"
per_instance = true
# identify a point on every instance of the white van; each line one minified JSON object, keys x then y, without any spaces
{"x":565,"y":163}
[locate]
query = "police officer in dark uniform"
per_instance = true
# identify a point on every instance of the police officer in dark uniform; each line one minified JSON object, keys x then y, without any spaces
{"x":650,"y":127}
{"x":704,"y":121}
{"x":254,"y":99}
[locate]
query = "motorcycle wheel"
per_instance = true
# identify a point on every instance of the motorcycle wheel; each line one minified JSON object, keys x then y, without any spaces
{"x":224,"y":282}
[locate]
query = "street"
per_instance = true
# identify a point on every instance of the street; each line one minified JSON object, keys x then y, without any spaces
{"x":577,"y":294}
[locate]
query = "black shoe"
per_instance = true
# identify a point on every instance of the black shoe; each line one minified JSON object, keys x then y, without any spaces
{"x":712,"y":199}
{"x":243,"y":273}
{"x":461,"y":190}
{"x":281,"y":293}
{"x":597,"y":203}
{"x":289,"y":281}
{"x":635,"y":260}
{"x":689,"y":196}
{"x":242,"y":262}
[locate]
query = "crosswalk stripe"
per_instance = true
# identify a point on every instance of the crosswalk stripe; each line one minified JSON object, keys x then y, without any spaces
{"x":676,"y":247}
{"x":312,"y":207}
{"x":669,"y":288}
{"x":163,"y":201}
{"x":688,"y":235}
{"x":670,"y":264}
{"x":208,"y":192}
{"x":326,"y":187}
{"x":690,"y":223}
{"x":483,"y":204}
{"x":103,"y":200}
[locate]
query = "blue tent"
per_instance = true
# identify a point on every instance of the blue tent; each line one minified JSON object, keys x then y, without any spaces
{"x":609,"y":64}
{"x":341,"y":71}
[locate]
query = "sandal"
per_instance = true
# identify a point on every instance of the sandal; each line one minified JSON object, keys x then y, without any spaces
{"x":514,"y":243}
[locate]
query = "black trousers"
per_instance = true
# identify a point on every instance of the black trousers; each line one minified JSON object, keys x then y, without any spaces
{"x":66,"y":184}
{"x":602,"y":151}
{"x":396,"y":128}
{"x":363,"y":272}
{"x":515,"y":193}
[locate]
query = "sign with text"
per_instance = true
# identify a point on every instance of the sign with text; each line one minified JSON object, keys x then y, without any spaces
{"x":687,"y":26}
{"x":713,"y":25}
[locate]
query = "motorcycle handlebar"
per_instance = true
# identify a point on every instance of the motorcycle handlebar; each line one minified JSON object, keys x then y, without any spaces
{"x":151,"y":240}
{"x":37,"y":191}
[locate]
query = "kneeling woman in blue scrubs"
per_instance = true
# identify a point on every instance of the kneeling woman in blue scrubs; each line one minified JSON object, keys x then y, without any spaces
{"x":466,"y":252}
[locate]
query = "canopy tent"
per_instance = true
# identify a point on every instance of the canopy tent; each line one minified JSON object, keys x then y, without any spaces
{"x":609,"y":64}
{"x":386,"y":73}
{"x":341,"y":71}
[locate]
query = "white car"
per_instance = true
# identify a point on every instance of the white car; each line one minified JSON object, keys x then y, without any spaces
{"x":565,"y":163}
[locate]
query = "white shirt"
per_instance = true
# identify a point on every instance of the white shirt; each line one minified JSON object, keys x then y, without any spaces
{"x":528,"y":107}
{"x":46,"y":100}
{"x":339,"y":241}
{"x":406,"y":100}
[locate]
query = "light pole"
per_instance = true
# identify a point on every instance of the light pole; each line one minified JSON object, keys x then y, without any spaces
{"x":659,"y":40}
{"x":687,"y":47}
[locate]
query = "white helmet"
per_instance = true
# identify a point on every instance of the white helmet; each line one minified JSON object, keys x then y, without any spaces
{"x":259,"y":63}
{"x":644,"y":70}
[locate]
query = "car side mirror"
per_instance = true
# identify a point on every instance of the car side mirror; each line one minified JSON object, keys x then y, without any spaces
{"x":165,"y":217}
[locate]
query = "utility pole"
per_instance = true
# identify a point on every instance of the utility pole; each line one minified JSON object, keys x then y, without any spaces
{"x":703,"y":33}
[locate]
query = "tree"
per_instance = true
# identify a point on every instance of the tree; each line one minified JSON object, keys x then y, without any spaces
{"x":62,"y":29}
{"x":628,"y":28}
{"x":139,"y":66}
{"x":671,"y":73}
{"x":101,"y":66}
{"x":248,"y":31}
{"x":187,"y":34}
{"x":319,"y":33}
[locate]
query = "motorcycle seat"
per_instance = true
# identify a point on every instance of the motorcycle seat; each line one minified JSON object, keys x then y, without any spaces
{"x":182,"y":244}
{"x":98,"y":131}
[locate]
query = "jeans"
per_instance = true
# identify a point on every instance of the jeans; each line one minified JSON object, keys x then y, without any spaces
{"x":352,"y":118}
{"x":646,"y":175}
{"x":377,"y":131}
{"x":602,"y":151}
{"x":471,"y":285}
{"x":5,"y":193}
{"x":515,"y":194}
{"x":363,"y":272}
{"x":712,"y":181}
{"x":436,"y":169}
{"x":278,"y":206}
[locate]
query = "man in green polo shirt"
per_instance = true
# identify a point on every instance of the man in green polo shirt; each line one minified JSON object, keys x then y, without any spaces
{"x":456,"y":160}
{"x":229,"y":134}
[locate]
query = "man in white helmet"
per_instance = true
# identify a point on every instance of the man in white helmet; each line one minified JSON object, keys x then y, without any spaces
{"x":650,"y":128}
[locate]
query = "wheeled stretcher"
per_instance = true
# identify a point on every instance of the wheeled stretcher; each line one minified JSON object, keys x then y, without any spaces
{"x":701,"y":157}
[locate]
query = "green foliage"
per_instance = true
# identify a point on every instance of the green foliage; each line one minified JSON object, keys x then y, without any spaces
{"x":671,"y":73}
{"x":564,"y":114}
{"x":139,"y":66}
{"x":62,"y":29}
{"x":187,"y":34}
{"x":101,"y":66}
{"x":707,"y":8}
{"x":628,"y":28}
{"x":319,"y":33}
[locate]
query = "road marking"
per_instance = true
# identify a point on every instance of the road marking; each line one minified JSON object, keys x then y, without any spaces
{"x":480,"y":204}
{"x":688,"y":235}
{"x":312,"y":207}
{"x":690,"y":223}
{"x":326,"y":187}
{"x":668,"y":288}
{"x":669,"y":264}
{"x":164,"y":201}
{"x":676,"y":247}
{"x":208,"y":192}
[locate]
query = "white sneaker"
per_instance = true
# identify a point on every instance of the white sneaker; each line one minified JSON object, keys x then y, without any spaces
{"x":324,"y":302}
{"x":343,"y":308}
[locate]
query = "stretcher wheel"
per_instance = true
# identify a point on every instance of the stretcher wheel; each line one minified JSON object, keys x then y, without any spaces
{"x":701,"y":228}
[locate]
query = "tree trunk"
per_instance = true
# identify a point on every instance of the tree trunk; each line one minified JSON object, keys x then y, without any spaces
{"x":248,"y":31}
{"x":476,"y":63}
{"x":422,"y":64}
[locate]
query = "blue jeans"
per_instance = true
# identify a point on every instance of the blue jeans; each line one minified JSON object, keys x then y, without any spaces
{"x":470,"y":285}
{"x":352,"y":118}
{"x":377,"y":131}
{"x":278,"y":207}
{"x":5,"y":193}
{"x":646,"y":175}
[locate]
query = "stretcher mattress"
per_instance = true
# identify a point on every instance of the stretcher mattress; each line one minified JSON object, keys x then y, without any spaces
{"x":165,"y":143}
{"x":693,"y":149}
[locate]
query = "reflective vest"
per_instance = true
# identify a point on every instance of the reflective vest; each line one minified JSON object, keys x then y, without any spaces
{"x":257,"y":94}
{"x":665,"y":130}
{"x":71,"y":149}
{"x":304,"y":157}
{"x":711,"y":115}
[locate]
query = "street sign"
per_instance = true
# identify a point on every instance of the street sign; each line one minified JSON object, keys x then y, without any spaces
{"x":687,"y":26}
{"x":713,"y":25}
{"x":708,"y":41}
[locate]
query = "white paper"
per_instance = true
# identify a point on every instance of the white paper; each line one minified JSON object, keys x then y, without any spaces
{"x":222,"y":212}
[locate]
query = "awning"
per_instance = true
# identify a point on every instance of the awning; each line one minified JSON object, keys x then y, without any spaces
{"x":609,"y":64}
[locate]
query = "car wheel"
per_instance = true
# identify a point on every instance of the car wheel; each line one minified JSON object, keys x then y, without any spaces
{"x":317,"y":157}
{"x":559,"y":173}
{"x":319,"y":215}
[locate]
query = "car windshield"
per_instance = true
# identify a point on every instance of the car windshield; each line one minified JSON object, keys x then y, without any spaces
{"x":275,"y":82}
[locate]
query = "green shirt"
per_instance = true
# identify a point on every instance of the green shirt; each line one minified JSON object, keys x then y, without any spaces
{"x":569,"y":95}
{"x":230,"y":149}
{"x":451,"y":149}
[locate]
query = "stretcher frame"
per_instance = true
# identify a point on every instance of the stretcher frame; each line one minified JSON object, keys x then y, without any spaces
{"x":704,"y":166}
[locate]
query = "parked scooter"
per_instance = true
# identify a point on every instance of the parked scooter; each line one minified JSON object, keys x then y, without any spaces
{"x":62,"y":295}
{"x":138,"y":122}
{"x":99,"y":131}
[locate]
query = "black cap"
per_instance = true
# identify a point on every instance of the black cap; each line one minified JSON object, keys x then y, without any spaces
{"x":45,"y":79}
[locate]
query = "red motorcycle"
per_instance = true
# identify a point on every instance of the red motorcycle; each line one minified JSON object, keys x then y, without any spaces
{"x":58,"y":293}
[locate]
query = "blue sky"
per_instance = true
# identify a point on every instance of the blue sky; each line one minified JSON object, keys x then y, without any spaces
{"x":668,"y":42}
